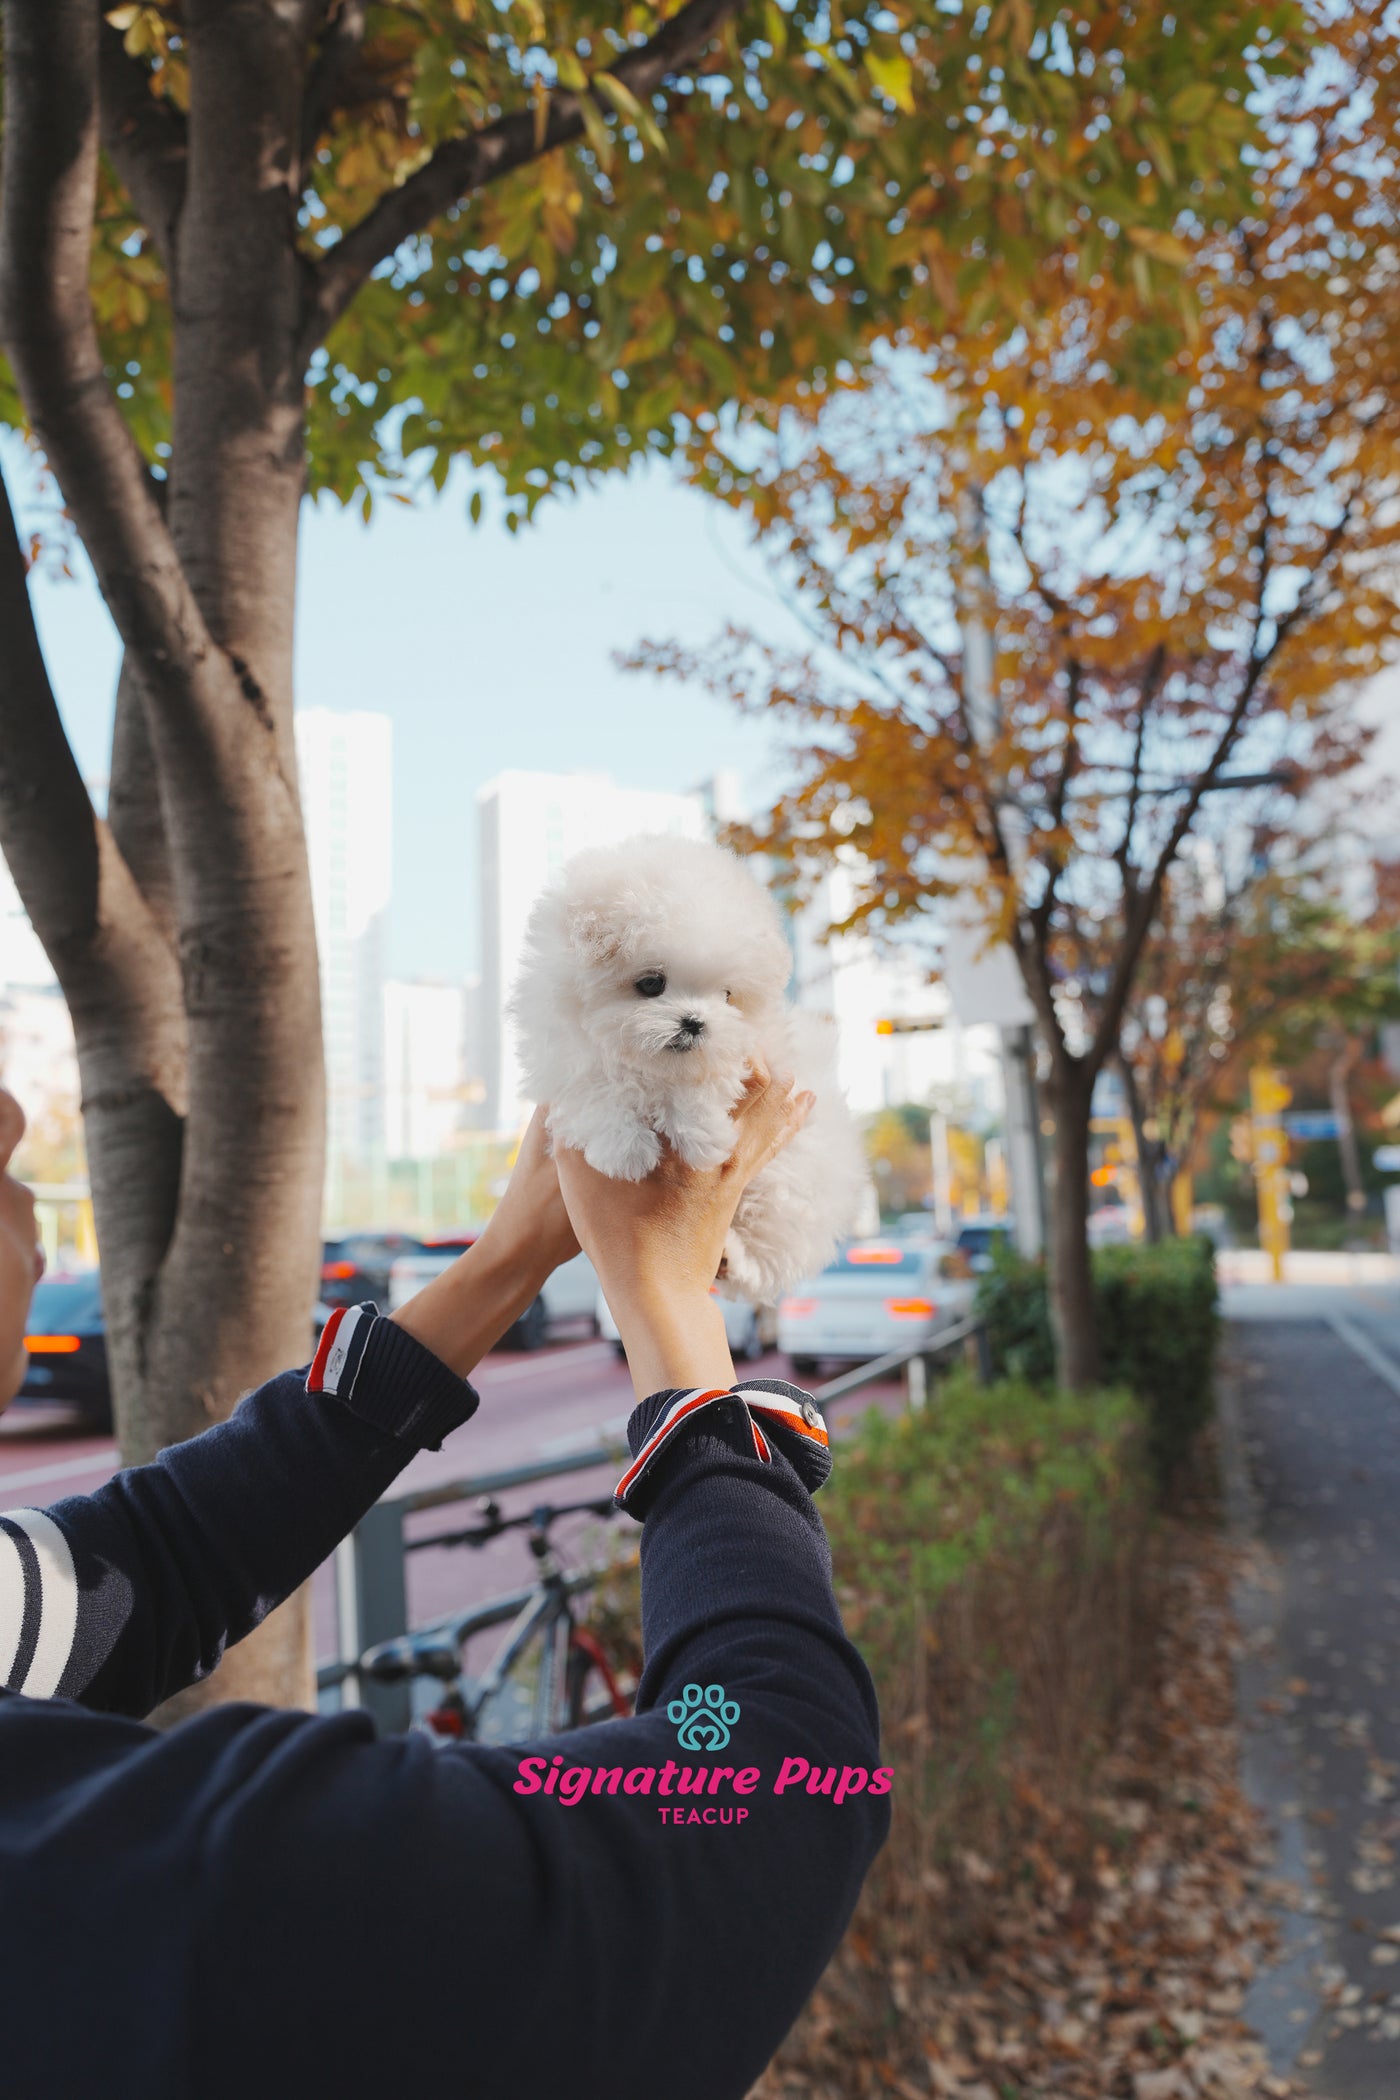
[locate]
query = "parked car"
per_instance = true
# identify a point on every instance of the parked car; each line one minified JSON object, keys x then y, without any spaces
{"x":67,"y":1345}
{"x":752,"y":1329}
{"x":978,"y":1238}
{"x":357,"y":1266}
{"x":875,"y":1296}
{"x":409,"y":1272}
{"x":570,"y":1294}
{"x":1111,"y":1225}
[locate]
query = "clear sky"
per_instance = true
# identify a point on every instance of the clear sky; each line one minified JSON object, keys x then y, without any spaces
{"x":488,"y":651}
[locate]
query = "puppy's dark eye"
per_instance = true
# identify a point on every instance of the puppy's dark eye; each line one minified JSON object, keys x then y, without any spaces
{"x":652,"y":985}
{"x":729,"y":998}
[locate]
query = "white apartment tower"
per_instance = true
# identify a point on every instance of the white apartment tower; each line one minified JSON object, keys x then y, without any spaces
{"x":345,"y":764}
{"x":424,"y":1066}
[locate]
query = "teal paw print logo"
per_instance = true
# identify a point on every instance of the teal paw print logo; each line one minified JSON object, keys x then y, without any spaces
{"x":703,"y":1717}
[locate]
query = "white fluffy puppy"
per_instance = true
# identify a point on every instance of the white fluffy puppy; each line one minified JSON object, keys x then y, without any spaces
{"x":653,"y":973}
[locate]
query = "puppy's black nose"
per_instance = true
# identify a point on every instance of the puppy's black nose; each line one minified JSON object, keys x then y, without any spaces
{"x":692,"y":1025}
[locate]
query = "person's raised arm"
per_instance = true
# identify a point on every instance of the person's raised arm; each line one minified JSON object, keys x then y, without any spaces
{"x":121,"y":1598}
{"x":632,"y":1907}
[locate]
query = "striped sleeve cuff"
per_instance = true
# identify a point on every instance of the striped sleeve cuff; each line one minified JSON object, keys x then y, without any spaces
{"x":376,"y":1369}
{"x":38,"y":1603}
{"x":765,"y":1412}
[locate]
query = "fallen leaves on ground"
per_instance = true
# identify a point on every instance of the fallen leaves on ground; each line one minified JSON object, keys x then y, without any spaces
{"x":1115,"y":1951}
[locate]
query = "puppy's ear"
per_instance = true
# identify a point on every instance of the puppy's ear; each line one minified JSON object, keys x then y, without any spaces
{"x":595,"y":938}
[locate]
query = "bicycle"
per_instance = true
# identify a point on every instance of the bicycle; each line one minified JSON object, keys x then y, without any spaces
{"x":549,"y":1674}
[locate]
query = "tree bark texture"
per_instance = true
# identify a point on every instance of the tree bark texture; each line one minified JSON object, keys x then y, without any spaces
{"x":1073,"y":1314}
{"x":180,"y":928}
{"x":1157,"y":1222}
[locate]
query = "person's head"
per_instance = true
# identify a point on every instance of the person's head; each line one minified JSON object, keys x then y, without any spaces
{"x":21,"y":1257}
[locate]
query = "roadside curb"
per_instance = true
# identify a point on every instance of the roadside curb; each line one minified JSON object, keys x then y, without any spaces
{"x":1270,"y":1772}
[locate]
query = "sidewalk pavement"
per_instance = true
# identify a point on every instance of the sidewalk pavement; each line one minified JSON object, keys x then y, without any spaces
{"x":1311,"y":1417}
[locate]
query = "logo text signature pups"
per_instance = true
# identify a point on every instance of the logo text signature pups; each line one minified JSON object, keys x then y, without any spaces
{"x":571,"y":1784}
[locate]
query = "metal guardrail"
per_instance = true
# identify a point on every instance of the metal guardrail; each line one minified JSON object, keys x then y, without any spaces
{"x":370,"y":1589}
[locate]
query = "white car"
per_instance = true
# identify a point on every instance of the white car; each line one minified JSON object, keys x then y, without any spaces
{"x":877,"y":1295}
{"x":752,"y":1329}
{"x":571,"y":1293}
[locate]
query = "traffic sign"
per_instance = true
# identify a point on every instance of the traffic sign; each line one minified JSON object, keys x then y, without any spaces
{"x":1386,"y":1159}
{"x":1308,"y":1125}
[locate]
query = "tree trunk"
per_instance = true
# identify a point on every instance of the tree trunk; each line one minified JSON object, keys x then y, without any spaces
{"x":1073,"y":1313}
{"x":1156,"y":1209}
{"x":201,"y":1062}
{"x":232,"y":1303}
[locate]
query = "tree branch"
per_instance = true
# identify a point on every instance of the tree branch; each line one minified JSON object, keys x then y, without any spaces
{"x":1143,"y":909}
{"x":46,"y":320}
{"x":331,"y":70}
{"x":47,"y":823}
{"x":1147,"y":693}
{"x":118,"y":974}
{"x":462,"y":165}
{"x":134,"y":808}
{"x":144,"y":137}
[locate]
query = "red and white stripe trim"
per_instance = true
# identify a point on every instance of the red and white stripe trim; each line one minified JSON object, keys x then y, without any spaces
{"x":799,"y":1415}
{"x":341,"y":1347}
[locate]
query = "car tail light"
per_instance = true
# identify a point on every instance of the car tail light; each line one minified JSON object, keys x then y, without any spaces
{"x":52,"y":1344}
{"x":797,"y":1308}
{"x":336,"y":1271}
{"x":910,"y":1308}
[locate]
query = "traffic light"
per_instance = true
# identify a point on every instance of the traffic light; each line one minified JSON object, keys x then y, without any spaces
{"x":1268,"y":1096}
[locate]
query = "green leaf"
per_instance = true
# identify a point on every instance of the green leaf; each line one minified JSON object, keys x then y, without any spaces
{"x":599,"y":137}
{"x":475,"y":507}
{"x":1192,"y":103}
{"x":569,"y":67}
{"x":627,"y":105}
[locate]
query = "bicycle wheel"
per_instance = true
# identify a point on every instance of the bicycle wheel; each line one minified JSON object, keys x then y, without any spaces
{"x":531,"y":1698}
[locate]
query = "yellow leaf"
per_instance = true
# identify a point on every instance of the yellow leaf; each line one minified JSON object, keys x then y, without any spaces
{"x":1162,"y":247}
{"x":894,"y":77}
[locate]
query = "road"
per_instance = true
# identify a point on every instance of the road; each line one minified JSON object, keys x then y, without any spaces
{"x":1313,"y":1432}
{"x":532,"y":1407}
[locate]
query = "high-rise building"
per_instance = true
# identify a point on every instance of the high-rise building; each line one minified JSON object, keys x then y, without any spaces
{"x":530,"y":823}
{"x":345,"y":764}
{"x":424,"y":1067}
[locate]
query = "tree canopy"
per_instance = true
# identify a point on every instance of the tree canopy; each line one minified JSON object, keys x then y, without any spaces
{"x":1051,"y":615}
{"x":749,"y":195}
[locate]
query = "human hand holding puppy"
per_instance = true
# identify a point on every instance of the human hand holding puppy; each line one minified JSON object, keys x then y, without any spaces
{"x":658,"y":1243}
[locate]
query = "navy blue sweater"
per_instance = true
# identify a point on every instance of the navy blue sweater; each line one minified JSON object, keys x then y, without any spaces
{"x":264,"y":1903}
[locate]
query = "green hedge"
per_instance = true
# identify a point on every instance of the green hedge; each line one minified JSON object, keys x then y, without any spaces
{"x":1158,"y":1327}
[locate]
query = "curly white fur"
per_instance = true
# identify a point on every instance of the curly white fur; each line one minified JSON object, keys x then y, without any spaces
{"x":653,"y":972}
